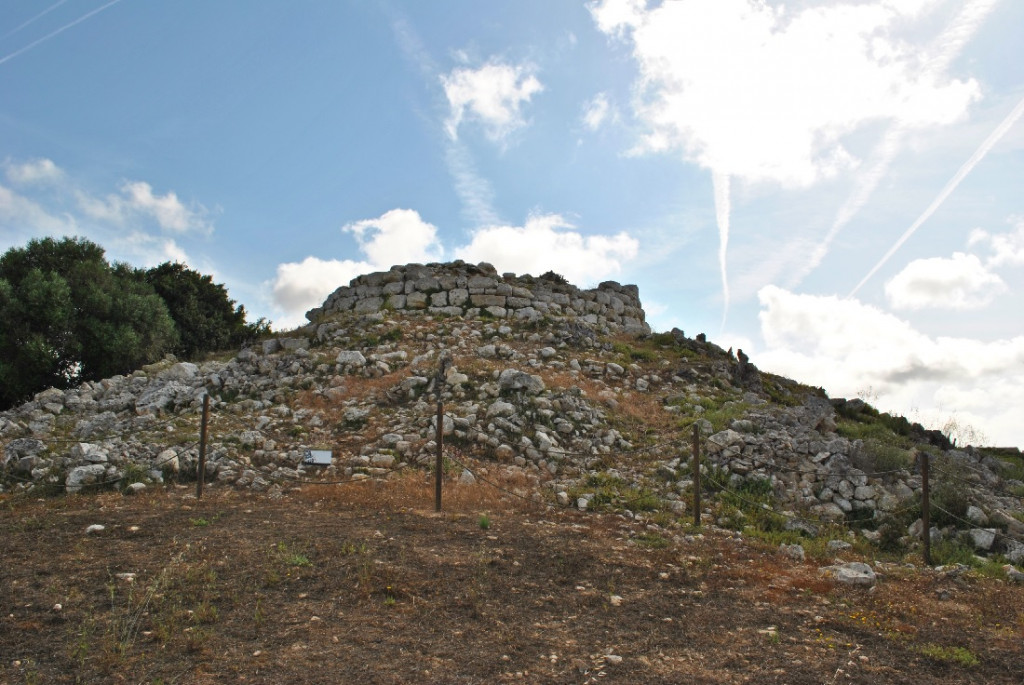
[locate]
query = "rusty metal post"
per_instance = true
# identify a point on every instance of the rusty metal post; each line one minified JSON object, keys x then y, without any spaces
{"x":443,"y":364}
{"x":696,"y":475}
{"x":440,"y":454}
{"x":926,"y":534}
{"x":201,"y":469}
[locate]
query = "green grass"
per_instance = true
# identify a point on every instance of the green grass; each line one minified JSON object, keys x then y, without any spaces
{"x":612,"y":493}
{"x":954,"y":655}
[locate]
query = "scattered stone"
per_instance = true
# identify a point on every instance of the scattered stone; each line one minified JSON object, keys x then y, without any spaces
{"x":835,"y":546}
{"x":794,"y":552}
{"x":854,"y":573}
{"x":95,"y":529}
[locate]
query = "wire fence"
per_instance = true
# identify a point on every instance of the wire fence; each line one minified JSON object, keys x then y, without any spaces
{"x":717,"y":475}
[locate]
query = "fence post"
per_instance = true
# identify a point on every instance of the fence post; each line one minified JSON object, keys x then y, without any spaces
{"x":440,"y":458}
{"x":201,"y":469}
{"x":926,"y":533}
{"x":696,"y":475}
{"x":443,"y":363}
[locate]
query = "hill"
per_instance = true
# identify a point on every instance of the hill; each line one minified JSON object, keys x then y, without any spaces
{"x":568,"y":433}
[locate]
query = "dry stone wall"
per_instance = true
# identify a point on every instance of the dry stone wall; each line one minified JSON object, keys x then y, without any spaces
{"x":478,"y":291}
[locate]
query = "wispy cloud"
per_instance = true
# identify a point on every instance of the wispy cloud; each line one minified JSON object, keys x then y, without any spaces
{"x":941,"y":53}
{"x":474,"y":191}
{"x":137,"y":199}
{"x":132,"y":223}
{"x":979,"y":154}
{"x":723,"y":210}
{"x":492,"y":95}
{"x":62,"y":29}
{"x":597,"y":111}
{"x":752,"y":92}
{"x":32,"y":19}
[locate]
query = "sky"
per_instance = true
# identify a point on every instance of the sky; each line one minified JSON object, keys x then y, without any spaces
{"x":835,"y":187}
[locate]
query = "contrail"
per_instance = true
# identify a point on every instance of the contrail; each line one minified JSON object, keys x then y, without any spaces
{"x":978,"y":155}
{"x":722,"y":209}
{"x":946,"y":47}
{"x":44,"y":12}
{"x":62,"y":29}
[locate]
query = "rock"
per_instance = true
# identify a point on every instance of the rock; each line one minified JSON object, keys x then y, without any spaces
{"x":513,"y":379}
{"x":794,"y":552}
{"x":351,"y":358}
{"x":500,"y":408}
{"x":1014,"y":551}
{"x":81,"y":476}
{"x":835,"y":546}
{"x":95,"y":529}
{"x":976,"y":516}
{"x":1013,"y":574}
{"x":160,"y":397}
{"x":721,"y":441}
{"x":182,"y":371}
{"x":982,"y":538}
{"x":21,"y":447}
{"x":383,"y":461}
{"x":168,"y":461}
{"x":828,"y":511}
{"x":135,"y":488}
{"x":854,"y":573}
{"x":467,"y":477}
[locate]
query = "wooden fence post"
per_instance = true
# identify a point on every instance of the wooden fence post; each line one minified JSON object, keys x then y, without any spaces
{"x":201,"y":469}
{"x":696,"y":475}
{"x":926,"y":534}
{"x":440,"y":454}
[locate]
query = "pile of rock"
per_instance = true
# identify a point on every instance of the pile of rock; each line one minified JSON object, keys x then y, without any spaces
{"x":474,"y":291}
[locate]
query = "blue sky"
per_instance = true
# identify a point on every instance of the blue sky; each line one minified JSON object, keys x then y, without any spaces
{"x":834,"y":187}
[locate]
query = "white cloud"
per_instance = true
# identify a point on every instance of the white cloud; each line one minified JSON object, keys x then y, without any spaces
{"x":300,"y":286}
{"x":20,"y":214}
{"x":615,"y":17}
{"x":398,"y":236}
{"x":137,"y":200}
{"x":33,"y":171}
{"x":544,"y":244}
{"x":493,"y":95}
{"x":848,"y":346}
{"x":959,"y":282}
{"x":1008,"y":248}
{"x":597,"y":111}
{"x":753,"y":91}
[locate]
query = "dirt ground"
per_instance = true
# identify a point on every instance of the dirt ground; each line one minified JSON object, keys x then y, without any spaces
{"x":366,"y":584}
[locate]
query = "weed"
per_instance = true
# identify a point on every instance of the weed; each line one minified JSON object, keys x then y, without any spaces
{"x":291,"y":557}
{"x":954,"y":655}
{"x":133,"y":473}
{"x":948,"y":552}
{"x":651,"y":540}
{"x":484,"y":521}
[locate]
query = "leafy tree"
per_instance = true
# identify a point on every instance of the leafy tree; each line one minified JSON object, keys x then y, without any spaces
{"x":206,"y":318}
{"x":70,"y":316}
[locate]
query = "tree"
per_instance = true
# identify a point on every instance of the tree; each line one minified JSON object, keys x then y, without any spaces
{"x":69,"y":316}
{"x":206,"y":318}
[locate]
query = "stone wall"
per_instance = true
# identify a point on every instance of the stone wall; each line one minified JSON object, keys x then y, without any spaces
{"x":478,"y":291}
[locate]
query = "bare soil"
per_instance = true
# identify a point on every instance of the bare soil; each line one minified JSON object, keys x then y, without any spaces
{"x":366,"y":584}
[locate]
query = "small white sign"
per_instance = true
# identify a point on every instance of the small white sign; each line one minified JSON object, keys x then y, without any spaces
{"x":317,"y":457}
